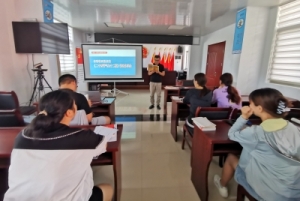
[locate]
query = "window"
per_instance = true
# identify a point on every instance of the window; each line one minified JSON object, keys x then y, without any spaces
{"x":284,"y":67}
{"x":66,"y":61}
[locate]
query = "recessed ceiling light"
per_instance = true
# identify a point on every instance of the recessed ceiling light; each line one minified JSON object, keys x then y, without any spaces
{"x":177,"y":27}
{"x":114,"y":25}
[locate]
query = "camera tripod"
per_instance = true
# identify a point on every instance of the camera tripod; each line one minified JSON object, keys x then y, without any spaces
{"x":38,"y":84}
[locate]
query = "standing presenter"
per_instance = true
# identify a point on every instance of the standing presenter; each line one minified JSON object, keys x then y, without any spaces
{"x":155,"y":82}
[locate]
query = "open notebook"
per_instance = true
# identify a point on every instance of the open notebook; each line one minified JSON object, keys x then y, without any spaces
{"x":204,"y":124}
{"x":108,"y":131}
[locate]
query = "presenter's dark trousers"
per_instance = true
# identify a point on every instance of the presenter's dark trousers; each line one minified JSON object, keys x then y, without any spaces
{"x":155,"y":87}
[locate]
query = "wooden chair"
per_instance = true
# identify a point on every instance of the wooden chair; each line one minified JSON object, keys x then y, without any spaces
{"x":242,"y":193}
{"x":11,"y":118}
{"x":9,"y":101}
{"x":211,"y":113}
{"x":236,"y":113}
{"x":188,"y":83}
{"x":182,"y":92}
{"x":294,"y":113}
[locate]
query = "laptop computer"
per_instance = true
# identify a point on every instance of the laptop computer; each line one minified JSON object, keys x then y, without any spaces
{"x":94,"y":96}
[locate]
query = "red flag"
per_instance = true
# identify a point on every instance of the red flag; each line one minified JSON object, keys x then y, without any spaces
{"x":169,"y":61}
{"x":162,"y":61}
{"x":152,"y":60}
{"x":172,"y":62}
{"x":79,"y":55}
{"x":165,"y":60}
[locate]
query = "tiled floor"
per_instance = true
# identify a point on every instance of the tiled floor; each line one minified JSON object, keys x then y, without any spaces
{"x":154,"y":167}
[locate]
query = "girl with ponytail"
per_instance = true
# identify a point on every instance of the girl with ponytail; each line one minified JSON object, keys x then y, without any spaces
{"x":51,"y":161}
{"x":269,"y":165}
{"x":227,"y":95}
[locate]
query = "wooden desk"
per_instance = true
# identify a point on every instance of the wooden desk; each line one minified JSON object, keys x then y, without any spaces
{"x":111,"y":157}
{"x":105,"y":108}
{"x":172,"y":91}
{"x":179,"y":110}
{"x":207,"y":144}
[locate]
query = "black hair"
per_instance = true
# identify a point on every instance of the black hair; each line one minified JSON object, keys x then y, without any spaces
{"x":200,"y":78}
{"x":55,"y":104}
{"x":157,"y":56}
{"x":233,"y":94}
{"x":271,"y":100}
{"x":66,"y":79}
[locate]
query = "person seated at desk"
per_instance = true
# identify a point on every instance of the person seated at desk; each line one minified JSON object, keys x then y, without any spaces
{"x":200,"y":96}
{"x":269,"y":166}
{"x":226,"y":95}
{"x":69,"y":81}
{"x":51,"y":161}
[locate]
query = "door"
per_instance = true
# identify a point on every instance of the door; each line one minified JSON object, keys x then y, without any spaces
{"x":214,"y":63}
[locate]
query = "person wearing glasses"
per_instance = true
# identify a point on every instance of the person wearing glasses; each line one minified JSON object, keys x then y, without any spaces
{"x":155,"y":82}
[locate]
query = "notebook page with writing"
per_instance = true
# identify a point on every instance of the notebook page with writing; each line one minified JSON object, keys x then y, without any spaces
{"x":109,"y":133}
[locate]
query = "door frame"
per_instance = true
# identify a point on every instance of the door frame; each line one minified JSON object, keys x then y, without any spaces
{"x":222,"y":64}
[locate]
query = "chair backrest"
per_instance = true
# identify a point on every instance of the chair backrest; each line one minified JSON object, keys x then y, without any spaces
{"x":188,"y":83}
{"x":182,"y":91}
{"x":294,"y":113}
{"x":8,"y":100}
{"x":213,"y":113}
{"x":236,"y":113}
{"x":11,"y":118}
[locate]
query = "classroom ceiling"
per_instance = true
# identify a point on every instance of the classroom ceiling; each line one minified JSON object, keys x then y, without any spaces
{"x":197,"y":17}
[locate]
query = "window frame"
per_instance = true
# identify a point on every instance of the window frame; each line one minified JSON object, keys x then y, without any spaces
{"x":278,"y":32}
{"x":71,"y":55}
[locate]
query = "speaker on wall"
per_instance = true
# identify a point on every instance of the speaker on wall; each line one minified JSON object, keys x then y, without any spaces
{"x":179,"y":50}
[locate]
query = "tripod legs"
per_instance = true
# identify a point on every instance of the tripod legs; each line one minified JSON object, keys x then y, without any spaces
{"x":116,"y":91}
{"x":34,"y":89}
{"x":39,"y":81}
{"x":47,"y":84}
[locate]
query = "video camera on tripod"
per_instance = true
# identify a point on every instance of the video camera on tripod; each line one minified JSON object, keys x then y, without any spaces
{"x":39,"y":80}
{"x":38,"y":67}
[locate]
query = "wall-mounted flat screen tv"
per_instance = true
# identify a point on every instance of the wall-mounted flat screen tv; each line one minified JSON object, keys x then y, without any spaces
{"x":38,"y":37}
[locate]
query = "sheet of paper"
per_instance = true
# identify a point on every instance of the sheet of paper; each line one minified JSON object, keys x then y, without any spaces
{"x":171,"y":87}
{"x":109,"y":133}
{"x":176,"y":98}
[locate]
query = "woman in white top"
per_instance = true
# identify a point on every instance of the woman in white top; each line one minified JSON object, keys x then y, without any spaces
{"x":51,"y":161}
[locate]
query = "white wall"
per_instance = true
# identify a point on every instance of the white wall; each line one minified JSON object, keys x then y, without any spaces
{"x":195,"y":61}
{"x":231,"y":61}
{"x":14,"y":73}
{"x":15,"y":69}
{"x":79,"y":38}
{"x":198,"y":54}
{"x":292,"y":92}
{"x":252,"y":51}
